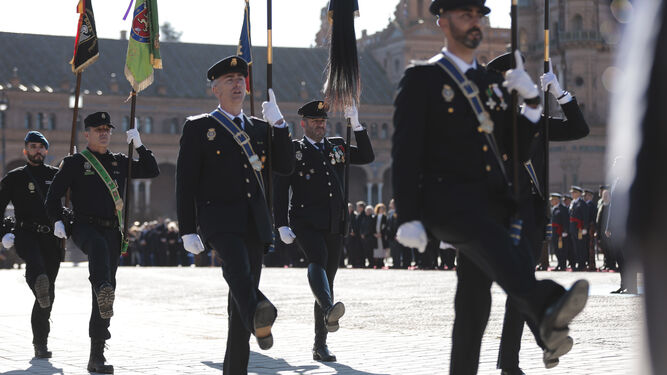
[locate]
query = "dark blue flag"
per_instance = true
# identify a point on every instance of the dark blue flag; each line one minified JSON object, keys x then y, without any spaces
{"x":244,"y":42}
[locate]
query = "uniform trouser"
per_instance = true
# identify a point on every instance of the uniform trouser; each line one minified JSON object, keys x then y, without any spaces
{"x":510,"y":340}
{"x":323,"y":249}
{"x":481,"y":236}
{"x":241,"y":256}
{"x":561,"y":254}
{"x":41,"y":253}
{"x":102,"y":245}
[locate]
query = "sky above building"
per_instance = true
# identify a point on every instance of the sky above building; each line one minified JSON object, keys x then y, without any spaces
{"x":295,"y":22}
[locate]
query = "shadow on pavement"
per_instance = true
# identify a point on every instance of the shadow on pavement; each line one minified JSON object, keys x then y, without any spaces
{"x":37,"y":366}
{"x":265,"y":365}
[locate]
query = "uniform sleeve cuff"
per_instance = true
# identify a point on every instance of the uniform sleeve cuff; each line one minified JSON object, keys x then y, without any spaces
{"x":532,"y":114}
{"x":565,"y":99}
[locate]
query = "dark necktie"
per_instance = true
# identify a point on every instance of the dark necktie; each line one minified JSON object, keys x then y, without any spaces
{"x":473,"y":74}
{"x":238,"y":122}
{"x":320,"y":147}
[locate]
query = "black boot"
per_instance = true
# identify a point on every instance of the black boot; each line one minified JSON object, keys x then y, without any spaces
{"x":96,"y":363}
{"x":105,"y":296}
{"x":42,"y":291}
{"x":322,"y":353}
{"x":319,"y":284}
{"x":41,"y":351}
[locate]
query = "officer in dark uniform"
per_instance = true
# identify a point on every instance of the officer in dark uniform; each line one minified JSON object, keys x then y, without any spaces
{"x":33,"y":235}
{"x":318,"y":211}
{"x":96,"y":229}
{"x":560,"y":225}
{"x":532,"y":205}
{"x":589,"y":238}
{"x":578,"y":228}
{"x":220,"y":179}
{"x":450,"y":178}
{"x":567,"y":240}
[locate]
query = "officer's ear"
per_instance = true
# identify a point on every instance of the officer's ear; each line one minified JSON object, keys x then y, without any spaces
{"x":25,"y":152}
{"x":303,"y":122}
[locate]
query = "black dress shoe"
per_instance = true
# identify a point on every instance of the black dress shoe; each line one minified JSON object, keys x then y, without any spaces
{"x":618,"y":291}
{"x":554,"y":323}
{"x":265,"y":316}
{"x":322,"y":354}
{"x":105,"y":295}
{"x":551,"y":357}
{"x":333,"y":315}
{"x":516,"y":371}
{"x":41,"y":351}
{"x":42,"y":291}
{"x":628,"y":291}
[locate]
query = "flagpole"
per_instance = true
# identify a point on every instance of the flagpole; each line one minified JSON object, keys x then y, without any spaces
{"x":269,"y":85}
{"x":546,"y":109}
{"x":128,"y":179}
{"x":252,"y":91}
{"x":515,"y":100}
{"x":75,"y":115}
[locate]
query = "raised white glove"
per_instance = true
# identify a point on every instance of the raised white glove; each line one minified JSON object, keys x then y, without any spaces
{"x":192,"y":243}
{"x":564,"y":235}
{"x":8,"y":240}
{"x":412,"y":234}
{"x":133,"y":135}
{"x":549,"y":81}
{"x":584,"y":231}
{"x":286,"y":235}
{"x":59,"y":230}
{"x":270,"y":110}
{"x":352,"y":113}
{"x":517,"y":79}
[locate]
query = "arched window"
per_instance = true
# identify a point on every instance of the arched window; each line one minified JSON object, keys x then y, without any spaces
{"x":126,"y":123}
{"x":148,"y":125}
{"x":384,"y":133}
{"x":577,"y":23}
{"x":339,"y":129}
{"x":374,"y":130}
{"x":173,"y":126}
{"x":28,"y":120}
{"x":40,"y":121}
{"x":52,"y":122}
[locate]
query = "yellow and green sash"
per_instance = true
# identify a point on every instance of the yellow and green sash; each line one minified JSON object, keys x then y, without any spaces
{"x":113,"y":190}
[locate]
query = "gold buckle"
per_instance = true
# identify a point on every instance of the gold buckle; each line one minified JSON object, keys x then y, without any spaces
{"x":242,"y":138}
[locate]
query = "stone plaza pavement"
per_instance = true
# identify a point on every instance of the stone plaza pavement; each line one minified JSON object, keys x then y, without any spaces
{"x":173,"y":321}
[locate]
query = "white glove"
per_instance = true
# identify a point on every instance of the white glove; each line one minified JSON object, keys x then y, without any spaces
{"x":548,"y":81}
{"x":412,"y":234}
{"x":564,"y":235}
{"x":286,"y":235}
{"x":517,"y":79}
{"x":584,"y":231}
{"x":270,"y":110}
{"x":352,"y":113}
{"x":133,"y":135}
{"x":8,"y":240}
{"x":59,"y":230}
{"x":192,"y":243}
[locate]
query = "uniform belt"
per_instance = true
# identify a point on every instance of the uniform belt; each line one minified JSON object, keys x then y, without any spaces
{"x":103,"y":222}
{"x":35,"y":227}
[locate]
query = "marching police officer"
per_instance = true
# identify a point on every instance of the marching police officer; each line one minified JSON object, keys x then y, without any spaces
{"x":96,"y":178}
{"x":578,"y":227}
{"x":220,"y":190}
{"x":33,"y":235}
{"x":532,"y":204}
{"x":318,"y":213}
{"x":452,"y":130}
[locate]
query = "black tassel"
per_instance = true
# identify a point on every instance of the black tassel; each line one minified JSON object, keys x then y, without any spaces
{"x":343,"y":84}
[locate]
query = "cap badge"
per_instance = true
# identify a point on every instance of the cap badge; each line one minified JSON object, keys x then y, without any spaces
{"x":233,"y":62}
{"x":320,"y":105}
{"x":104,"y":117}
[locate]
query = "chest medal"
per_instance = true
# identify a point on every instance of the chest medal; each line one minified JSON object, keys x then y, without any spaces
{"x":447,"y":93}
